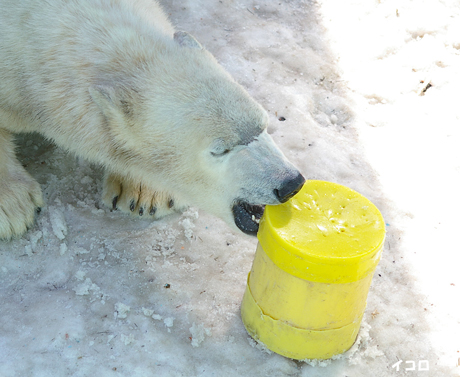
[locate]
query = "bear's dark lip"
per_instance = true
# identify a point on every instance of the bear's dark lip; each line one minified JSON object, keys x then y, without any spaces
{"x":247,"y":216}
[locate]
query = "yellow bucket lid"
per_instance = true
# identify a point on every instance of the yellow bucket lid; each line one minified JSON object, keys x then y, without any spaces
{"x":326,"y":233}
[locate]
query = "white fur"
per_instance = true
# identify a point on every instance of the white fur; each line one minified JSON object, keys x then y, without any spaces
{"x":110,"y":81}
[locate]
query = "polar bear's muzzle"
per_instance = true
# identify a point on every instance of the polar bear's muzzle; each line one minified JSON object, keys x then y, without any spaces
{"x":247,"y":216}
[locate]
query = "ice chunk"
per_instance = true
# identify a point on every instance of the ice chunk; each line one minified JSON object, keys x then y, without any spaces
{"x":58,"y":223}
{"x":80,"y":251}
{"x":34,"y":238}
{"x":199,"y":332}
{"x":127,"y":340}
{"x":121,"y":310}
{"x":147,"y":312}
{"x":188,"y":226}
{"x":83,"y":288}
{"x":62,"y":248}
{"x":80,"y":275}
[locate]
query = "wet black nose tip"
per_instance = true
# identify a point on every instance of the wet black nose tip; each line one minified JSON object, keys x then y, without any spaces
{"x":289,"y":188}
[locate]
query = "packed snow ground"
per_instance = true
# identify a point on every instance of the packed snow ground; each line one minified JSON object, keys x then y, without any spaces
{"x":369,"y":94}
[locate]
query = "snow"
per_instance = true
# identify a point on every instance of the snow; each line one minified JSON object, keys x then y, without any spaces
{"x":90,"y":292}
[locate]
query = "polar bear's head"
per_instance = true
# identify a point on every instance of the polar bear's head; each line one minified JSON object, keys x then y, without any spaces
{"x":182,"y":124}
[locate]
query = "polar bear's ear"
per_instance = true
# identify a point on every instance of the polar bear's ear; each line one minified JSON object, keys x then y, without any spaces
{"x":109,"y":101}
{"x":116,"y":104}
{"x":102,"y":96}
{"x":186,"y":40}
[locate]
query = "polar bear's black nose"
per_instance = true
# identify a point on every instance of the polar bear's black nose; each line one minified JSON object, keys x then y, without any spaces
{"x":289,"y":188}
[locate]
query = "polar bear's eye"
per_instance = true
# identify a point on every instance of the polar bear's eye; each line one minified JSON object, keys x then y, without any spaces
{"x":220,"y":148}
{"x":220,"y":153}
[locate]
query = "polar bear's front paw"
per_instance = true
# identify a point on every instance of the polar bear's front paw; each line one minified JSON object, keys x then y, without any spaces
{"x":137,"y":199}
{"x":20,"y":199}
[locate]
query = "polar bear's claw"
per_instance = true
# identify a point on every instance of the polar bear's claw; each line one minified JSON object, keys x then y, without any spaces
{"x":132,"y":206}
{"x":114,"y":203}
{"x":136,"y":198}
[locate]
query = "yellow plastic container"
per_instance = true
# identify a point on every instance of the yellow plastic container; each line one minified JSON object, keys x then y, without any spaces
{"x":307,"y":289}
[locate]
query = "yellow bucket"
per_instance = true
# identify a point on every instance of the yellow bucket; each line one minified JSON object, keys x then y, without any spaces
{"x":307,"y":289}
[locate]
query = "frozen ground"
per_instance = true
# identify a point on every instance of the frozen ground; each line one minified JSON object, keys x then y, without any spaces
{"x":85,"y":293}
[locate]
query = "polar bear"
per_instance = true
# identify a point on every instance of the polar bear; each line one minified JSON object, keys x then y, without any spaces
{"x":111,"y":81}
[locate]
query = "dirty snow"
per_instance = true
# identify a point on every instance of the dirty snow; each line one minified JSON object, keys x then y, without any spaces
{"x":363,"y":93}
